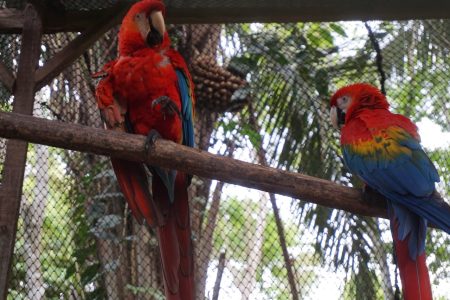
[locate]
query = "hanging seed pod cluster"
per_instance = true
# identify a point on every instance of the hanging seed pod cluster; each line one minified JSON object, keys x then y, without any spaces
{"x":216,"y":88}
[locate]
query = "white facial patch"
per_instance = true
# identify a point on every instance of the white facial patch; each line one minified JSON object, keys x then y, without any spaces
{"x":142,"y":24}
{"x":344,"y":103}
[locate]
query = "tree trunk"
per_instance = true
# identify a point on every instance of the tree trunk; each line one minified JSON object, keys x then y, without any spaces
{"x":261,"y":154}
{"x":33,"y":212}
{"x":245,"y":277}
{"x":145,"y":261}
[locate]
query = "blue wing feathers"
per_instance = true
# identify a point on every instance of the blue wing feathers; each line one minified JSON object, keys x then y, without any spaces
{"x":408,"y":181}
{"x":423,"y":163}
{"x":186,"y":109}
{"x":168,"y":176}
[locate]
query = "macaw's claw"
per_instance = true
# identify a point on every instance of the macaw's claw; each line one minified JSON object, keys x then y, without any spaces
{"x":168,"y":106}
{"x":369,"y":194}
{"x":152,"y":136}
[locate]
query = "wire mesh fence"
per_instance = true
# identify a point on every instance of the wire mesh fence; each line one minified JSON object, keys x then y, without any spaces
{"x":263,"y":92}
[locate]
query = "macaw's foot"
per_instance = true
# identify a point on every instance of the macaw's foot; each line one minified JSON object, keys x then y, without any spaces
{"x":168,"y":106}
{"x":152,"y":136}
{"x":369,"y":194}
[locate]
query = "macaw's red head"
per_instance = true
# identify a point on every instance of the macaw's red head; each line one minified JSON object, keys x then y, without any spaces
{"x":352,"y":99}
{"x":142,"y":27}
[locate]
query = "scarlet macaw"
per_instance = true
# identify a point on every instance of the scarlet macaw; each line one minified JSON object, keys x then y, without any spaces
{"x":148,"y":90}
{"x":384,"y":150}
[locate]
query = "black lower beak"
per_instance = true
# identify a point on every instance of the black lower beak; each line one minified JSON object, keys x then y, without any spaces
{"x":154,"y":37}
{"x":340,"y":117}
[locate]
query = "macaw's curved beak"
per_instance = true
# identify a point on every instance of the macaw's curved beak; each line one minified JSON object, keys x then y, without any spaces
{"x":157,"y":29}
{"x":337,"y":117}
{"x":153,"y":38}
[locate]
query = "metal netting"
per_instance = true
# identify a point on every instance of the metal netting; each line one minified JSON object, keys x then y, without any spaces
{"x":5,"y":95}
{"x":263,"y":92}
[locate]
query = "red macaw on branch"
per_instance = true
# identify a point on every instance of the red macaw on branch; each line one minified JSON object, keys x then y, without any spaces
{"x":384,"y":150}
{"x":148,"y":90}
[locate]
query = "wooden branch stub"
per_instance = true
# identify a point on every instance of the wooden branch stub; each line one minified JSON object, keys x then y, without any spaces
{"x":11,"y":20}
{"x":170,"y":155}
{"x":7,"y":77}
{"x":220,"y":269}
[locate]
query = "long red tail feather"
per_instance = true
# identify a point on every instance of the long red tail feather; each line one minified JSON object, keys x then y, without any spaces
{"x":174,"y":237}
{"x":413,"y":273}
{"x":133,"y":182}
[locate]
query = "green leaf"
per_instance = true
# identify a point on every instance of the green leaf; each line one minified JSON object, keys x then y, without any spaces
{"x":338,"y":29}
{"x":254,"y":137}
{"x":90,"y":273}
{"x":70,"y":271}
{"x":326,"y":35}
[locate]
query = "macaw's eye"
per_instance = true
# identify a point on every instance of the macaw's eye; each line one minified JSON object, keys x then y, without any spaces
{"x":345,"y":99}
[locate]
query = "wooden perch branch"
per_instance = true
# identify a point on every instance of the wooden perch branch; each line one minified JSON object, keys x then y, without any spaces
{"x":171,"y":155}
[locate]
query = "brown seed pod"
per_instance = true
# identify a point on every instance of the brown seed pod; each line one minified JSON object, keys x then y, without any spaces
{"x":215,"y":85}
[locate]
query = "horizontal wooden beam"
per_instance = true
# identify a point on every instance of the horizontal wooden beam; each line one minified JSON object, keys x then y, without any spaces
{"x":236,"y":11}
{"x":246,"y":11}
{"x":11,"y":20}
{"x":193,"y":161}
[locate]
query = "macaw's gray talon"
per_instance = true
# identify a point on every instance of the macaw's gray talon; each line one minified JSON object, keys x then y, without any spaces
{"x":167,"y":106}
{"x":151,"y":138}
{"x":369,"y":194}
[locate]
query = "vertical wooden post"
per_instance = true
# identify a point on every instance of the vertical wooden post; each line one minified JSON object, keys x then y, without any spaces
{"x":16,"y":151}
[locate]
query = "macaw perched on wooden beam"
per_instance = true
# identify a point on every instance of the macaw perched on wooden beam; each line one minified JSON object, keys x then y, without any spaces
{"x":384,"y":150}
{"x":148,"y":90}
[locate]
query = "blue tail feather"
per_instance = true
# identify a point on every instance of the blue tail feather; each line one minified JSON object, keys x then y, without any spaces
{"x":414,"y":213}
{"x":167,"y":178}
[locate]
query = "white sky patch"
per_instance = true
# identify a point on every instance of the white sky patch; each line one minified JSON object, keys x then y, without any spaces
{"x":432,"y":136}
